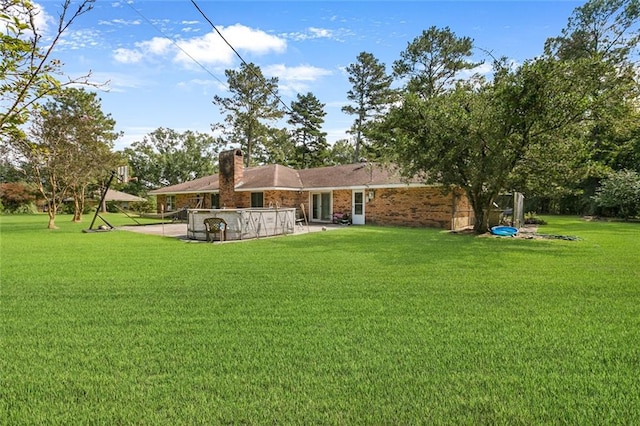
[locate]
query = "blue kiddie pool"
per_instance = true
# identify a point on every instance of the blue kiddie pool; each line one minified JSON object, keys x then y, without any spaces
{"x":504,"y":231}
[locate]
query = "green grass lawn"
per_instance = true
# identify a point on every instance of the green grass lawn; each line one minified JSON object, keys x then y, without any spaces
{"x":362,"y":325}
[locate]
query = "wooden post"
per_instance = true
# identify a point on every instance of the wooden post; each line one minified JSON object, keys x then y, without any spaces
{"x":304,"y":214}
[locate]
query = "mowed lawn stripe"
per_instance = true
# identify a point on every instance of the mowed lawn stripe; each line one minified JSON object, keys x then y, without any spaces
{"x":368,"y":325}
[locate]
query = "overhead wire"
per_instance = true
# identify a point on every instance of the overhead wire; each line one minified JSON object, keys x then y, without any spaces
{"x":251,"y":69}
{"x":174,"y":43}
{"x":287,"y":107}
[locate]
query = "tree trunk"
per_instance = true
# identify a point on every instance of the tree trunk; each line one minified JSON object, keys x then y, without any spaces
{"x":52,"y":216}
{"x":77,"y":216}
{"x":482,"y":204}
{"x":78,"y":206}
{"x":481,"y":224}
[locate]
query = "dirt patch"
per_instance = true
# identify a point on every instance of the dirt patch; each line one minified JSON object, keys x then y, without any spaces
{"x":527,"y":232}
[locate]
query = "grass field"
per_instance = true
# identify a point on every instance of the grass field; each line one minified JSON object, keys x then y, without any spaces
{"x":362,"y":325}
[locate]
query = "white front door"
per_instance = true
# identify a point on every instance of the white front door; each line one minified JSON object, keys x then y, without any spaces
{"x":357,"y":208}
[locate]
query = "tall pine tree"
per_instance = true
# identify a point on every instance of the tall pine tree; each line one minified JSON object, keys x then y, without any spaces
{"x":306,"y":117}
{"x":369,"y":95}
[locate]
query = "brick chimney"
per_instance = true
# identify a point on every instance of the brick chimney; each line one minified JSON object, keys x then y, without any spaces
{"x":230,"y":174}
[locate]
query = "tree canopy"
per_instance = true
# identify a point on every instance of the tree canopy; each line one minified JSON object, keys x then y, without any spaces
{"x":167,"y":157}
{"x":370,"y":95}
{"x":253,"y":101}
{"x":433,"y":61}
{"x":620,"y":192}
{"x":28,"y":71}
{"x":68,"y":147}
{"x":306,"y":117}
{"x":489,"y":136}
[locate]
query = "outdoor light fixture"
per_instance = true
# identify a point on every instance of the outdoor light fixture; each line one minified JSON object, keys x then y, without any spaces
{"x":371,"y":195}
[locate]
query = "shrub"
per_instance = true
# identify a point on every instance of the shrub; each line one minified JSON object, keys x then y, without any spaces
{"x":15,"y":196}
{"x":530,"y":218}
{"x":619,"y":193}
{"x":142,"y":206}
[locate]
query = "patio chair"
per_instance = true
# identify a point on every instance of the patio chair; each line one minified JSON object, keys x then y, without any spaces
{"x":213,"y":226}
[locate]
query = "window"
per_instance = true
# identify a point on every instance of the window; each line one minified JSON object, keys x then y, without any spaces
{"x":171,"y":203}
{"x":257,"y":199}
{"x":215,"y":201}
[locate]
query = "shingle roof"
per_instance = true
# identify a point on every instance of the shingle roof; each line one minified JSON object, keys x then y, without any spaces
{"x":203,"y":184}
{"x":272,"y":176}
{"x":353,"y":175}
{"x":113,"y":195}
{"x":281,"y":177}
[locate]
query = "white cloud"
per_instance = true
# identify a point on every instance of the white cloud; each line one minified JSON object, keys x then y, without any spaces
{"x":156,"y":46}
{"x":116,"y":82}
{"x":211,"y":49}
{"x":482,"y":69}
{"x":320,"y":32}
{"x":299,"y":73}
{"x":313,"y":33}
{"x":125,"y":22}
{"x":42,"y":20}
{"x":127,"y":56}
{"x":292,"y":80}
{"x":208,"y":49}
{"x":80,"y":39}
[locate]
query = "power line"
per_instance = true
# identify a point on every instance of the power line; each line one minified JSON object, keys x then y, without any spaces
{"x":241,"y":58}
{"x":174,"y":43}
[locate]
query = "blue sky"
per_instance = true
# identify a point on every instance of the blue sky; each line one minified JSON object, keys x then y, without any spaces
{"x":146,"y":49}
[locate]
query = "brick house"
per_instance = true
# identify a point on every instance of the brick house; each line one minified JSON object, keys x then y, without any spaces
{"x":368,"y":193}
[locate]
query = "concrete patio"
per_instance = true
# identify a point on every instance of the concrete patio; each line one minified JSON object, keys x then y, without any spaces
{"x":179,"y":230}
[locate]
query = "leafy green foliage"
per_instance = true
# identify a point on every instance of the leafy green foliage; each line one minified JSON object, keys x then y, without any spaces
{"x":604,"y":37}
{"x":477,"y":136}
{"x":76,"y":116}
{"x":369,"y":95}
{"x":620,"y":193}
{"x":67,"y":148}
{"x":15,"y":195}
{"x":306,"y":118}
{"x":478,"y":330}
{"x":166,"y":157}
{"x":431,"y":63}
{"x":28,"y":71}
{"x":540,"y":128}
{"x":342,"y":152}
{"x":279,"y":147}
{"x":253,"y":100}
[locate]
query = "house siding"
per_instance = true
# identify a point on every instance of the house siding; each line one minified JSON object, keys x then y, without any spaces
{"x":412,"y":207}
{"x":342,"y":201}
{"x":419,"y":206}
{"x":389,"y":207}
{"x":189,"y":201}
